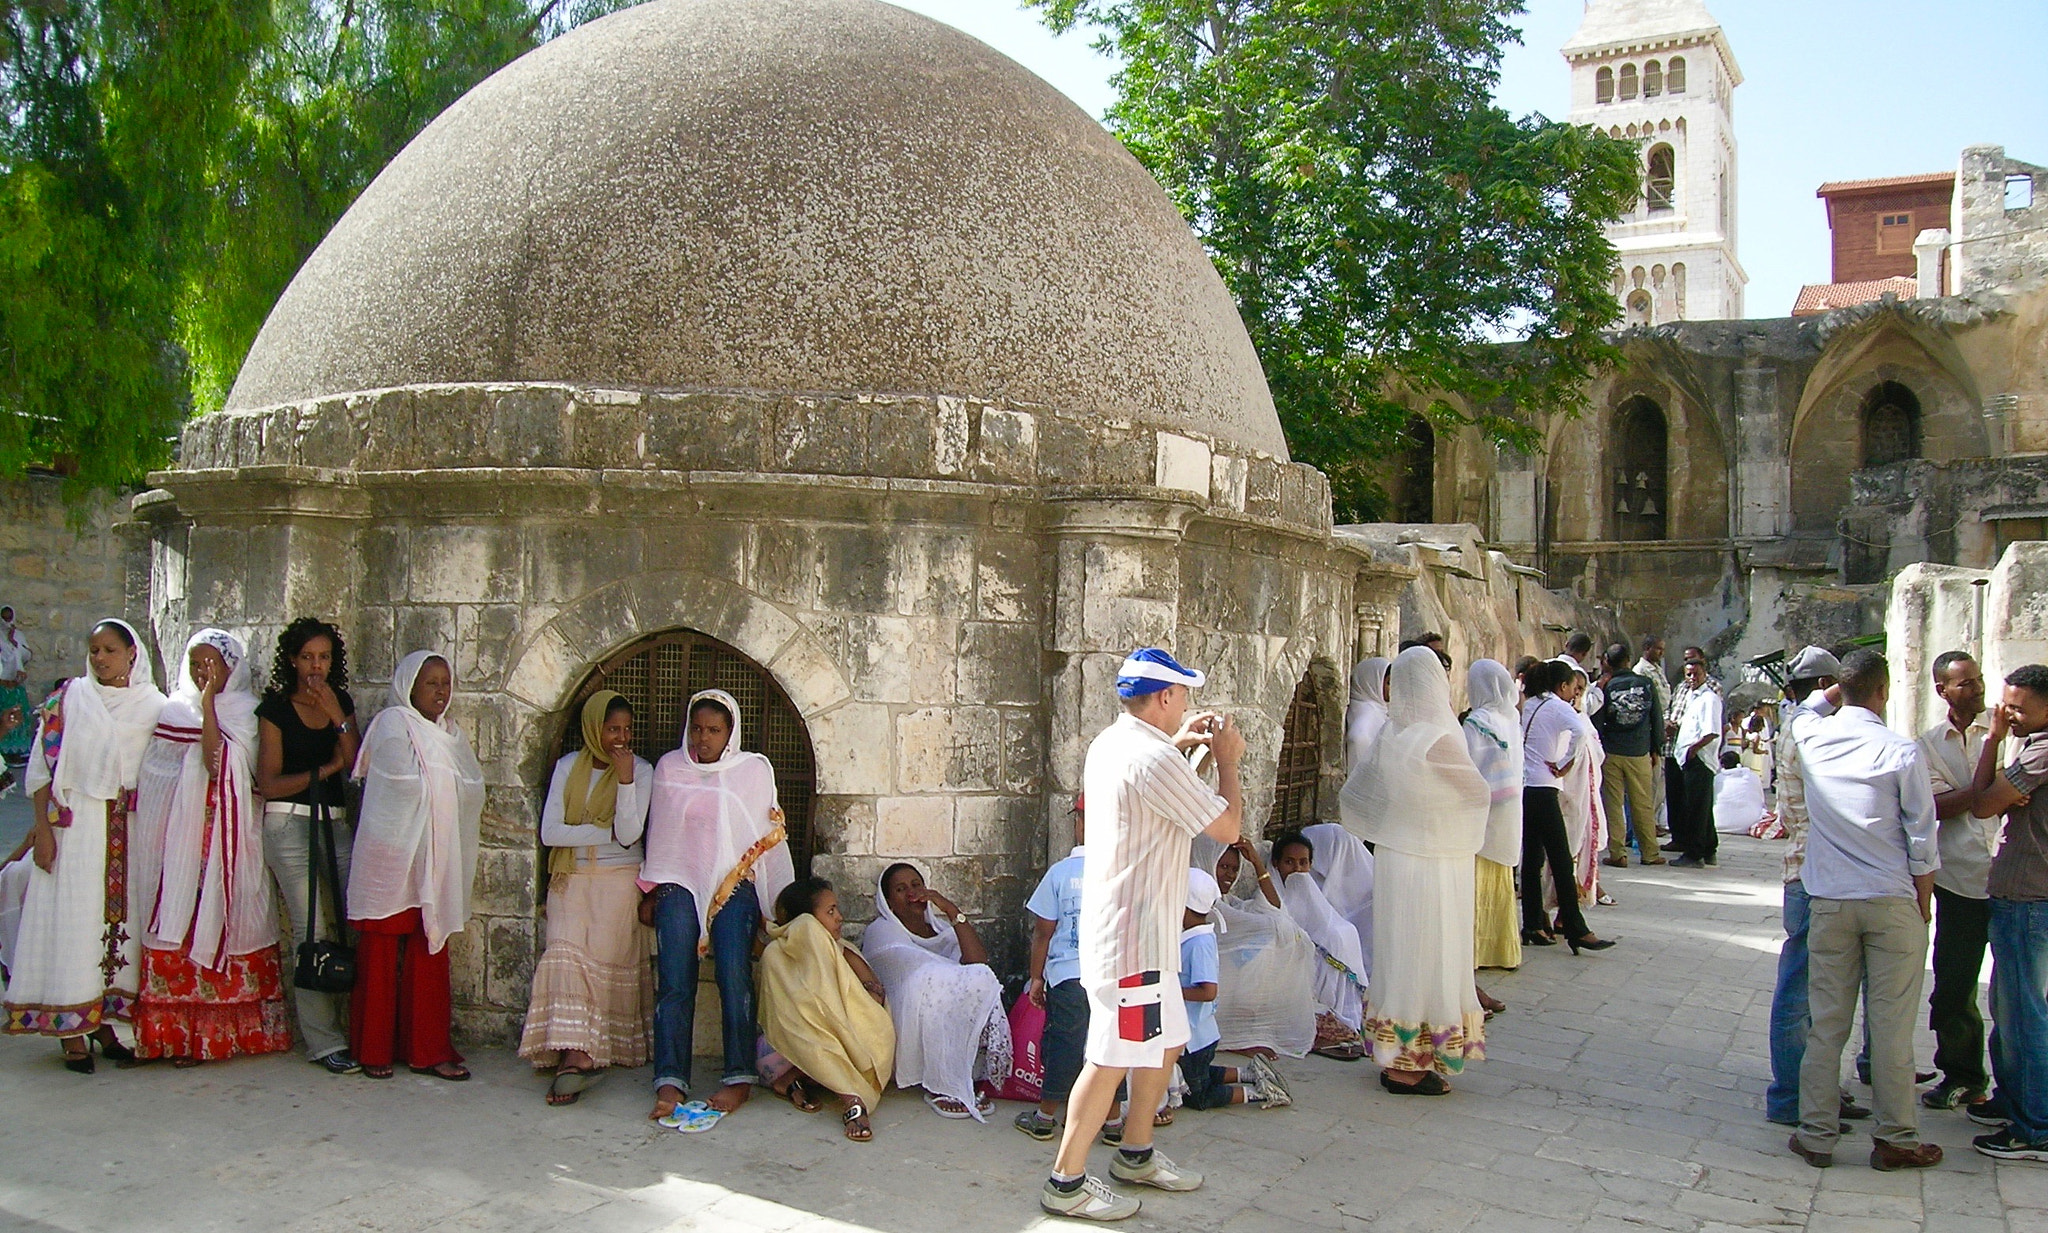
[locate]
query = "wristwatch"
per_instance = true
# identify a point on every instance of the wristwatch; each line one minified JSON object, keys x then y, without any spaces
{"x":959,"y":918}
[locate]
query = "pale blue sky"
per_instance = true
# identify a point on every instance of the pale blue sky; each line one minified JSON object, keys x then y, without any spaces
{"x":1833,"y":90}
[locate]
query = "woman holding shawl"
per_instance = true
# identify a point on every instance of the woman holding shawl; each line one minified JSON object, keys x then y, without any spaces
{"x":715,"y":853}
{"x":823,"y":1010}
{"x":1366,"y":713}
{"x":72,"y":967}
{"x":415,"y":859}
{"x":945,"y":999}
{"x":1423,"y":805}
{"x":201,"y":897}
{"x":1339,"y":978}
{"x":592,"y":991}
{"x":1493,"y":737}
{"x":1585,"y":820}
{"x":1265,"y":995}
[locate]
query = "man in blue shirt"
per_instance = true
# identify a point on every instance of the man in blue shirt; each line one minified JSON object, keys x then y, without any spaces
{"x":1055,"y":983}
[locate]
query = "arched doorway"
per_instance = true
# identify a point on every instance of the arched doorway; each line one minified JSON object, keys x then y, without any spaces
{"x":1891,"y":425}
{"x":1414,"y":496}
{"x":1301,"y":762}
{"x":658,"y":674}
{"x":1641,"y":440}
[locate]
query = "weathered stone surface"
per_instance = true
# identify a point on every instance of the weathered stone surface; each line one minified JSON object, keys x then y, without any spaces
{"x":1000,"y":663}
{"x":914,"y":826}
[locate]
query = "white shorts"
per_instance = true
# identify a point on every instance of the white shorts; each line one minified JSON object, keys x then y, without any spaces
{"x":1136,"y":1022}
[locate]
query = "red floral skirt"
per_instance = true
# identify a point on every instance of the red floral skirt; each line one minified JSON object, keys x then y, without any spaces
{"x":193,"y":1012}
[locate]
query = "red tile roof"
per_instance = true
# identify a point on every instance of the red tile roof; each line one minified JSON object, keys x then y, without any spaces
{"x":1833,"y":187}
{"x":1820,"y":297}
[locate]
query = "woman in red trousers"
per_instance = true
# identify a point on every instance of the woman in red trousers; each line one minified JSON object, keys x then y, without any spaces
{"x":409,"y":882}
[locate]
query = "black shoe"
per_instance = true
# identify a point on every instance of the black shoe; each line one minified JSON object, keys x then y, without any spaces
{"x":1536,"y":937}
{"x":1988,"y":1113}
{"x":1589,"y":942}
{"x":79,"y":1063}
{"x":1851,"y":1111}
{"x":2005,"y":1145}
{"x":342,"y":1063}
{"x":1948,"y":1094}
{"x":1688,"y":862}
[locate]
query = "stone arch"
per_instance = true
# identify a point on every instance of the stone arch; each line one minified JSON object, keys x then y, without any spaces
{"x":1626,"y":83}
{"x":1660,"y":180}
{"x":1653,"y":79}
{"x":659,"y":672}
{"x":1603,"y":85}
{"x":1674,"y":75}
{"x":1890,"y":422}
{"x":1641,"y":477}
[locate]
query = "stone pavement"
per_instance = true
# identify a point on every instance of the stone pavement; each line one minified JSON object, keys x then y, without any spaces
{"x":1623,"y":1093}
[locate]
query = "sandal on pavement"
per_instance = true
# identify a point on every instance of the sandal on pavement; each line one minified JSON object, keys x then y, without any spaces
{"x":378,"y":1072}
{"x":800,"y":1096}
{"x":569,"y":1085}
{"x":1348,"y":1051}
{"x":461,"y":1074}
{"x":855,"y":1119}
{"x":1431,"y":1084}
{"x":692,"y":1117}
{"x":947,"y":1107}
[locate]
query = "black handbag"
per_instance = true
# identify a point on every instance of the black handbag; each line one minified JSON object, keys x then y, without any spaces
{"x":324,"y":966}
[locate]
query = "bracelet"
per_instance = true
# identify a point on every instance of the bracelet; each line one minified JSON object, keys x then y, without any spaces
{"x":1265,"y":877}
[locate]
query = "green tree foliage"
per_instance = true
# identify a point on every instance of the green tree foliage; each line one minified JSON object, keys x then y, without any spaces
{"x":1380,"y":221}
{"x":165,"y":167}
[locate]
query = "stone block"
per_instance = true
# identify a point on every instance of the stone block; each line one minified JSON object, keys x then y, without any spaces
{"x":511,"y":816}
{"x":467,"y":962}
{"x":820,"y":436}
{"x":214,"y":572}
{"x":924,"y":749}
{"x":783,"y":564}
{"x":506,"y":882}
{"x":1006,"y":451}
{"x":382,"y":553}
{"x":900,"y":659}
{"x":842,"y":824}
{"x":756,"y":627}
{"x":605,"y":435}
{"x":1227,"y":481}
{"x":1000,"y":663}
{"x":706,"y":432}
{"x":564,"y":562}
{"x":995,"y":826}
{"x":913,"y":826}
{"x":975,"y":749}
{"x":325,"y":436}
{"x":525,"y":427}
{"x":463,"y":565}
{"x":902,"y":439}
{"x":1262,"y":487}
{"x":371,"y":638}
{"x":1023,"y":751}
{"x":851,"y":746}
{"x":427,"y":627}
{"x":1006,"y":579}
{"x":514,"y":947}
{"x":932,"y":574}
{"x":485,"y":635}
{"x":811,"y":678}
{"x":545,"y":671}
{"x":952,"y":424}
{"x":855,"y":569}
{"x":1065,"y":451}
{"x":1124,"y":456}
{"x":1181,"y":464}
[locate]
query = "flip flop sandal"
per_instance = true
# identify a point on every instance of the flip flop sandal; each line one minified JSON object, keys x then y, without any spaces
{"x":958,"y":1112}
{"x":691,"y":1118}
{"x":435,"y":1073}
{"x":857,"y":1112}
{"x":800,"y":1096}
{"x":572,"y":1084}
{"x":1163,"y":1118}
{"x":1349,"y":1051}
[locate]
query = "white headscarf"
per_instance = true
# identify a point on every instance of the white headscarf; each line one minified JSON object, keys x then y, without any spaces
{"x":1265,"y":996}
{"x":1493,"y":736}
{"x":196,"y":858}
{"x":712,"y":825}
{"x":1344,"y":867}
{"x":1418,"y":793}
{"x":888,"y":944}
{"x":1366,"y":714}
{"x":14,"y":652}
{"x":423,"y":802}
{"x":105,"y":731}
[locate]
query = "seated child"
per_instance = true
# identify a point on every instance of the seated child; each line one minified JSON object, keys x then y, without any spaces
{"x":824,"y":1017}
{"x":1211,"y":1086}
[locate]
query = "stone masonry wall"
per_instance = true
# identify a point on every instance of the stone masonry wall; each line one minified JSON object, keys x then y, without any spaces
{"x":64,"y":569}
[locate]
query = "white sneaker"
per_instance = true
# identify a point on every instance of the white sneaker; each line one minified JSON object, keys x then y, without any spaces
{"x":1093,"y":1201}
{"x":1270,"y":1094}
{"x":1158,"y":1171}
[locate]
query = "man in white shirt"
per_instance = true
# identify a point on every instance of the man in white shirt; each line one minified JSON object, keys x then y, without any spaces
{"x":1962,"y":904}
{"x":1697,"y":749}
{"x":1871,"y":854}
{"x":1145,"y":805}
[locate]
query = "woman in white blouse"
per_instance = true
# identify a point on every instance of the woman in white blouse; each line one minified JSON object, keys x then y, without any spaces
{"x":1552,"y":742}
{"x":593,"y":992}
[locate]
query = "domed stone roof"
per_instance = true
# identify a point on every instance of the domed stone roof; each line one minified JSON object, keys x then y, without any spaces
{"x":771,"y":195}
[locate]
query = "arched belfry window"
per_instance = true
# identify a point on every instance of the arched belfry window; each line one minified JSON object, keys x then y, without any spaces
{"x":1891,"y":425}
{"x":1639,"y":498}
{"x":658,"y":675}
{"x":1415,"y":477}
{"x":1661,"y":185}
{"x":1674,"y":75}
{"x":1301,"y":762}
{"x":1653,"y":79}
{"x":1628,"y":81}
{"x":1603,"y":86}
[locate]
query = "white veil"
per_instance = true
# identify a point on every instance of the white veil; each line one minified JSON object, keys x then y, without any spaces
{"x":1419,"y":792}
{"x":1493,"y":736}
{"x":1265,"y":992}
{"x":1366,"y":713}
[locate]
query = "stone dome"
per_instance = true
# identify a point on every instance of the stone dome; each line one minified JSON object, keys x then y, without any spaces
{"x":783,"y":196}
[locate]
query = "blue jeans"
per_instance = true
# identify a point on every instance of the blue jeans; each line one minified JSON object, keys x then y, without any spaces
{"x":2019,"y":1013}
{"x":1791,"y":1016}
{"x":675,"y":984}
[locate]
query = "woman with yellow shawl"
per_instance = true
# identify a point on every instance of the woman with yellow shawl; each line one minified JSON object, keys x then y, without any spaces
{"x":593,"y":992}
{"x":823,"y":1010}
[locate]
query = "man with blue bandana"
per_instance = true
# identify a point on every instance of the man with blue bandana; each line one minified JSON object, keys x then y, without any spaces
{"x":1145,"y":805}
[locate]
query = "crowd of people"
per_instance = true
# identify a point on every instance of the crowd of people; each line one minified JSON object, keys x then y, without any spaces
{"x":194,"y":861}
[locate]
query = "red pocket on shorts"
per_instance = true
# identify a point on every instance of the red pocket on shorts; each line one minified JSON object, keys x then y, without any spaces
{"x":1137,"y":1006}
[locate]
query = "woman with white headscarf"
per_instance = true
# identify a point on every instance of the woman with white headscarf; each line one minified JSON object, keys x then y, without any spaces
{"x":1366,"y":713}
{"x":200,"y":897}
{"x":410,"y":879}
{"x":716,"y":855}
{"x":1493,"y":737}
{"x":72,"y":968}
{"x":1265,"y":991}
{"x":1339,"y":974}
{"x":1423,"y":805}
{"x":1585,"y":819}
{"x":945,"y":999}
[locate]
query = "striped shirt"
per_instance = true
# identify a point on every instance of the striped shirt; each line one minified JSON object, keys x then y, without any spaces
{"x":1145,"y":803}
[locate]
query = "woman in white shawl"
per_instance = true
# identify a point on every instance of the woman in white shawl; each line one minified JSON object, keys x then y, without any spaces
{"x":1340,"y":978}
{"x":72,"y":971}
{"x":1585,"y":817}
{"x":1423,"y":806}
{"x":1265,"y":990}
{"x":1493,"y":737}
{"x":409,"y":881}
{"x":946,"y":1001}
{"x":201,"y":898}
{"x":1366,"y":713}
{"x":716,"y":853}
{"x":1344,"y":869}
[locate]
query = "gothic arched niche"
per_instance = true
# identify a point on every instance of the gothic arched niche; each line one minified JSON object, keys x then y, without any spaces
{"x":1640,"y":496}
{"x":1414,"y":478}
{"x":1890,"y":419}
{"x":1660,"y":188}
{"x":660,"y":672}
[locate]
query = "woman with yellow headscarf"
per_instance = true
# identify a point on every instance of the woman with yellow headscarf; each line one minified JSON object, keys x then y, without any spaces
{"x":593,"y":992}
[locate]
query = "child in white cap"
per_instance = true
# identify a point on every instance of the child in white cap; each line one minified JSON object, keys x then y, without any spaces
{"x":1211,"y":1086}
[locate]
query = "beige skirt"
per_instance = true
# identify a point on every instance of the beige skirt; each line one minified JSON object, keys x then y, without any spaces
{"x":594,"y":988}
{"x":1497,"y":924}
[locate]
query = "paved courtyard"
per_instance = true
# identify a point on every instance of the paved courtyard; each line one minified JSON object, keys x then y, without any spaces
{"x":1623,"y":1093}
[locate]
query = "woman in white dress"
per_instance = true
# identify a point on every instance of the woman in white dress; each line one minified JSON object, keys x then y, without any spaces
{"x":1265,"y":989}
{"x":1585,"y":816}
{"x":1366,"y":713}
{"x":1423,"y":806}
{"x":72,"y":968}
{"x":946,"y":1001}
{"x":1493,"y":736}
{"x":1339,"y":978}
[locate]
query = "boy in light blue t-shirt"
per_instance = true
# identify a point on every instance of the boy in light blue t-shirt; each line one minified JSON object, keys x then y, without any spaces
{"x":1211,"y":1086}
{"x":1055,"y":984}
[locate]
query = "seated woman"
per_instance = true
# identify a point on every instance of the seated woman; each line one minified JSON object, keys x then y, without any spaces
{"x":200,"y":898}
{"x":824,"y":1014}
{"x":1265,"y":1002}
{"x":593,"y":990}
{"x":1339,"y":984}
{"x":946,"y":1001}
{"x":1344,"y":869}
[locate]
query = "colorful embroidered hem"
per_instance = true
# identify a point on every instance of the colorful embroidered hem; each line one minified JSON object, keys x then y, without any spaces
{"x":188,"y":1011}
{"x":1422,"y":1047}
{"x":67,"y":1020}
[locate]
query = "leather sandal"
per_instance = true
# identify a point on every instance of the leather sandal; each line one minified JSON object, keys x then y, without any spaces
{"x":855,"y":1119}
